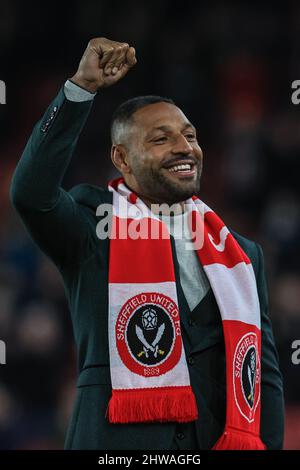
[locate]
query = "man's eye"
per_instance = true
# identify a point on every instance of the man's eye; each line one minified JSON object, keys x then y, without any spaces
{"x":164,"y":138}
{"x":190,"y":136}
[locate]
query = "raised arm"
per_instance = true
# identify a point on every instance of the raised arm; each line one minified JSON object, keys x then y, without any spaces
{"x":56,"y":222}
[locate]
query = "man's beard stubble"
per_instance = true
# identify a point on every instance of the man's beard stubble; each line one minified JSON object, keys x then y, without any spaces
{"x":157,"y":186}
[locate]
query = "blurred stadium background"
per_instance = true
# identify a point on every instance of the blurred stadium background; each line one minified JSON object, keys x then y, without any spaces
{"x":230,"y":67}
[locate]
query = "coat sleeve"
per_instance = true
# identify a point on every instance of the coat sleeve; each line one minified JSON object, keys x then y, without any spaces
{"x":55,"y":221}
{"x":272,"y":401}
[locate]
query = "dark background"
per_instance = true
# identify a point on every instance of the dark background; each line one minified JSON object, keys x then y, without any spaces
{"x":229,"y":66}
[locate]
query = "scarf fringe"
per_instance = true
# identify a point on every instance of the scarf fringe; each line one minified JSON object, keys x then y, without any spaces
{"x":233,"y":439}
{"x":149,"y":405}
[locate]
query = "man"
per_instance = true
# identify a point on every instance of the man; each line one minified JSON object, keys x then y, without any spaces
{"x":188,"y":402}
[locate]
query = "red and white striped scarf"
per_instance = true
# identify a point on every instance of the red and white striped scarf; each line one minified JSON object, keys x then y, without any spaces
{"x":150,"y":377}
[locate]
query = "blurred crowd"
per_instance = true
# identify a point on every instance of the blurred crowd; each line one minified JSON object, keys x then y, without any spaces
{"x":230,"y":68}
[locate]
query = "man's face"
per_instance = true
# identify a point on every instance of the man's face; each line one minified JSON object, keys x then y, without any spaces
{"x":164,"y":155}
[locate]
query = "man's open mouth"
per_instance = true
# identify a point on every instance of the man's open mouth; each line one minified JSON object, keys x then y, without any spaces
{"x":182,"y":169}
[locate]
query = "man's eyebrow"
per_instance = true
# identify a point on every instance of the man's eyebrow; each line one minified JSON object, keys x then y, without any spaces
{"x":167,"y":128}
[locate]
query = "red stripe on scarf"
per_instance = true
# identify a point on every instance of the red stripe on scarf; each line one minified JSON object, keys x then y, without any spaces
{"x":156,"y":255}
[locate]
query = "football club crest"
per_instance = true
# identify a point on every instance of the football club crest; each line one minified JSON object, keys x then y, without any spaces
{"x":148,"y":334}
{"x":246,"y":376}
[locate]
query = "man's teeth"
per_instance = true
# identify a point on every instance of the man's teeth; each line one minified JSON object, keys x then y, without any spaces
{"x":185,"y":167}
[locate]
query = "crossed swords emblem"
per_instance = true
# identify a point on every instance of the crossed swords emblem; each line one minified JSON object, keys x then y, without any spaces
{"x":154,"y":347}
{"x":251,"y":381}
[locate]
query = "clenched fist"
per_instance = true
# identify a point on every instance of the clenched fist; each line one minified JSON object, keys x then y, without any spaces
{"x":104,"y":63}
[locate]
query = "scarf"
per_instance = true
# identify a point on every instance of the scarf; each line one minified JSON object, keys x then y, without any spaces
{"x":149,"y":373}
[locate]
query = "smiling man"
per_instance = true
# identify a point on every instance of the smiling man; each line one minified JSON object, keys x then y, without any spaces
{"x":175,"y":345}
{"x":159,"y":155}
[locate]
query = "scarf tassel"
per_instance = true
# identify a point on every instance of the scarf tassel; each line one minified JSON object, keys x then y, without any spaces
{"x":149,"y":405}
{"x":233,"y":439}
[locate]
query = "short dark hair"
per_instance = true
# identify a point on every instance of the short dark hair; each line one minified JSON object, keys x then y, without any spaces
{"x":123,"y":114}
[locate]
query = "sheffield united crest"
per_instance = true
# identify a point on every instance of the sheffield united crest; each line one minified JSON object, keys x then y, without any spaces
{"x":148,"y":334}
{"x":246,"y":376}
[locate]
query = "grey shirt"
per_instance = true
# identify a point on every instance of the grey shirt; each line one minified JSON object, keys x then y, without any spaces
{"x":194,"y":281}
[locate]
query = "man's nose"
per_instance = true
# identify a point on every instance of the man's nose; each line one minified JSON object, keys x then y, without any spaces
{"x":182,"y":145}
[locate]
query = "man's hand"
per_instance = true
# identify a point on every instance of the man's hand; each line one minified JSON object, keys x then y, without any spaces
{"x":104,"y":63}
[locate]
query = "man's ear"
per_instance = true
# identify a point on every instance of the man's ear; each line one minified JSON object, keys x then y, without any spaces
{"x":119,"y":157}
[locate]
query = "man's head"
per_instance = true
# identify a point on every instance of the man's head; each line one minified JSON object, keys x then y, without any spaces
{"x":155,"y":148}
